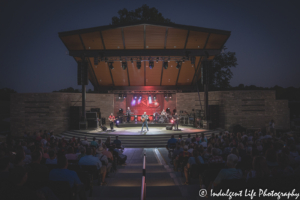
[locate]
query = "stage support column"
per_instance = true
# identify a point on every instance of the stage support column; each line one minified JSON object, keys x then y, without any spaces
{"x":83,"y":102}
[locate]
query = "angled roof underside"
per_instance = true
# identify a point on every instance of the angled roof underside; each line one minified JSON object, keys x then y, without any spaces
{"x":144,"y":38}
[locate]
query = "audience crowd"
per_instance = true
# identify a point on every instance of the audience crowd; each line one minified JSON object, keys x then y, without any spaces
{"x":237,"y":155}
{"x":29,"y":165}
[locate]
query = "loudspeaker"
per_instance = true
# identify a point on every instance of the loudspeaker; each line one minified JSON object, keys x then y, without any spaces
{"x":103,"y":121}
{"x":82,"y":73}
{"x":168,"y":127}
{"x":104,"y":128}
{"x":75,"y":115}
{"x":93,"y":124}
{"x":97,"y":110}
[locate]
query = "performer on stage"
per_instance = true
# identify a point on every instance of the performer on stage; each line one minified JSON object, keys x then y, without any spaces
{"x":175,"y":119}
{"x":111,"y":119}
{"x":128,"y":112}
{"x":145,"y":122}
{"x":163,"y":112}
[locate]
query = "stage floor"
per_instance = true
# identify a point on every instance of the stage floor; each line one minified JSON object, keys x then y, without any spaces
{"x":153,"y":130}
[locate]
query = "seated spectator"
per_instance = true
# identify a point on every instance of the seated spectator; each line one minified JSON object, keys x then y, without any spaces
{"x":177,"y":151}
{"x":108,"y":142}
{"x":94,"y":143}
{"x":4,"y":173}
{"x":45,"y":154}
{"x":107,"y":153}
{"x":73,"y":139}
{"x":171,"y":141}
{"x":85,"y":142}
{"x":82,"y":153}
{"x":259,"y":168}
{"x":179,"y":138}
{"x":118,"y":142}
{"x":271,"y":158}
{"x":235,"y":151}
{"x":207,"y":154}
{"x":89,"y":159}
{"x":217,"y":147}
{"x":215,"y":157}
{"x":202,"y":139}
{"x":182,"y":158}
{"x":230,"y":172}
{"x":52,"y":158}
{"x":64,"y":174}
{"x":188,"y":140}
{"x":191,"y":148}
{"x":100,"y":143}
{"x":103,"y":158}
{"x":195,"y":159}
{"x":241,"y":149}
{"x":283,"y":169}
{"x":44,"y":141}
{"x":197,"y":138}
{"x":37,"y":173}
{"x":14,"y":188}
{"x":121,"y":157}
{"x":70,"y":154}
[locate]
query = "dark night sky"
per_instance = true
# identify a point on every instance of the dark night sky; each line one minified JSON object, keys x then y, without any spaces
{"x":264,"y":35}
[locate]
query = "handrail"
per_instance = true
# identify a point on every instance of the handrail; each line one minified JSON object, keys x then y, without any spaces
{"x":143,"y":189}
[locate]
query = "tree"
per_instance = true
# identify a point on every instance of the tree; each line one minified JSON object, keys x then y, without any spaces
{"x":69,"y":90}
{"x":220,"y":72}
{"x":143,"y":13}
{"x":5,"y":94}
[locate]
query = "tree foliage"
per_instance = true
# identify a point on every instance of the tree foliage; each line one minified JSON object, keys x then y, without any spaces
{"x":220,"y":72}
{"x":72,"y":90}
{"x":5,"y":94}
{"x":144,"y":13}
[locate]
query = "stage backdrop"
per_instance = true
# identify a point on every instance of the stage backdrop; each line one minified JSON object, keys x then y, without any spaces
{"x":139,"y":106}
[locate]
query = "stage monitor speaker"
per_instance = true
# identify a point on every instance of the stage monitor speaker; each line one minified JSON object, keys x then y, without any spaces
{"x":104,"y":128}
{"x":168,"y":127}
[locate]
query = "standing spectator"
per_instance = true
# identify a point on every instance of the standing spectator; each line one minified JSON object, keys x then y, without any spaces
{"x":182,"y":158}
{"x":100,"y":143}
{"x":195,"y":159}
{"x":108,"y":142}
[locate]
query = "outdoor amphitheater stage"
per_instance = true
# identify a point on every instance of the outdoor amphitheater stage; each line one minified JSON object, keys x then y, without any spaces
{"x":157,"y":136}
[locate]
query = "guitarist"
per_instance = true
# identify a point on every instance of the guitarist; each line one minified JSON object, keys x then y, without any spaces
{"x":144,"y":120}
{"x":128,"y":112}
{"x":175,"y":119}
{"x":111,"y":119}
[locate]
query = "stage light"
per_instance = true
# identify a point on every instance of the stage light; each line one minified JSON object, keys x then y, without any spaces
{"x":154,"y":98}
{"x":151,"y":64}
{"x":170,"y":96}
{"x":150,"y":99}
{"x":120,"y":110}
{"x":135,"y":96}
{"x":166,"y":96}
{"x":172,"y":120}
{"x":179,"y":63}
{"x":138,"y":64}
{"x":124,"y":65}
{"x":120,"y":96}
{"x":110,"y":65}
{"x":124,"y":96}
{"x":168,"y":110}
{"x":140,"y":97}
{"x":117,"y":121}
{"x":165,"y":65}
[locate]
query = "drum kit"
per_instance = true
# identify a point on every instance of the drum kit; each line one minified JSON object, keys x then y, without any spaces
{"x":162,"y":118}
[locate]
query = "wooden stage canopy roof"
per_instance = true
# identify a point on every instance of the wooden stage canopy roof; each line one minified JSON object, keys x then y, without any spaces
{"x":144,"y":42}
